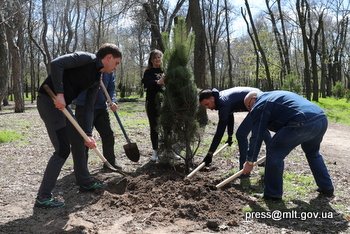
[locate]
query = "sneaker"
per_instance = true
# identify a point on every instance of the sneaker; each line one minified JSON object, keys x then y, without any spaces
{"x":154,"y":157}
{"x":326,"y":192}
{"x":92,"y":187}
{"x":48,"y":203}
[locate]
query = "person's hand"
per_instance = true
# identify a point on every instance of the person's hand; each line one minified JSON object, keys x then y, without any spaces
{"x":160,"y":81}
{"x":247,"y":167}
{"x":59,"y":102}
{"x":208,"y":159}
{"x":229,"y":141}
{"x":113,"y":107}
{"x":91,"y":144}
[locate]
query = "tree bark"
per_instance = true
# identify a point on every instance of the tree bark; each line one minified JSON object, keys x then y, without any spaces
{"x":302,"y":21}
{"x":4,"y":74}
{"x":229,"y":58}
{"x":156,"y":37}
{"x":261,"y":50}
{"x":13,"y":33}
{"x":194,"y":20}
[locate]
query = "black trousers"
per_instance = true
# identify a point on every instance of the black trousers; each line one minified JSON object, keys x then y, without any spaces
{"x":152,"y":110}
{"x":65,"y":139}
{"x":102,"y":124}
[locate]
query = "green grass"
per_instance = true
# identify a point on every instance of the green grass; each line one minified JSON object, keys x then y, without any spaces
{"x":8,"y":136}
{"x":337,"y":110}
{"x":297,"y":185}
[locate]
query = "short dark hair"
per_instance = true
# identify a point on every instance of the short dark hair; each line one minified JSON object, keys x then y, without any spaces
{"x":205,"y":94}
{"x":108,"y":48}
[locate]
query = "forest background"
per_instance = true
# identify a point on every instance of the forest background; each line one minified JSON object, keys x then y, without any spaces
{"x":297,"y":45}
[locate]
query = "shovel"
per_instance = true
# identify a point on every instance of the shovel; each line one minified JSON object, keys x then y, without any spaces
{"x":131,"y":150}
{"x":203,"y":163}
{"x":81,"y":131}
{"x":235,"y":176}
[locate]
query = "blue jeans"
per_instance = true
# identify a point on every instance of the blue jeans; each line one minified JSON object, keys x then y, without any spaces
{"x":309,"y":135}
{"x":242,"y":138}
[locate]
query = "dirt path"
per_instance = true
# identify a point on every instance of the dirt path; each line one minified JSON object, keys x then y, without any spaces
{"x":154,"y":199}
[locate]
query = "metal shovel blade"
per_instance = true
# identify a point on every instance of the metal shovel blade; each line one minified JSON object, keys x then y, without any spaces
{"x":132,"y":152}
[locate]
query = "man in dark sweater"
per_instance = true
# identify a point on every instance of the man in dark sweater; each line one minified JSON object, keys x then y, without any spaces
{"x":70,"y":75}
{"x":227,"y":102}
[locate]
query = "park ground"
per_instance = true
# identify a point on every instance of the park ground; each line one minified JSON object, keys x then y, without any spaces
{"x":154,"y":198}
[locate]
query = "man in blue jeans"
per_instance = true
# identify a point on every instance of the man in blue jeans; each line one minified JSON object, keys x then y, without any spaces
{"x":227,"y":102}
{"x":296,"y":121}
{"x":101,"y":119}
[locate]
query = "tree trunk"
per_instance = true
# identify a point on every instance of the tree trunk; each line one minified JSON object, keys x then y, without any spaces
{"x":278,"y":42}
{"x":46,"y":51}
{"x":13,"y":32}
{"x":323,"y":63}
{"x":156,"y":37}
{"x":4,"y":74}
{"x":302,"y":22}
{"x":261,"y":50}
{"x":229,"y":58}
{"x":194,"y":20}
{"x":257,"y":57}
{"x":285,"y":44}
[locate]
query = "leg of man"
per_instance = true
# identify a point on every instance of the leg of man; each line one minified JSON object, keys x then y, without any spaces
{"x":55,"y":123}
{"x":311,"y":148}
{"x":278,"y":148}
{"x":103,"y":126}
{"x":78,"y":148}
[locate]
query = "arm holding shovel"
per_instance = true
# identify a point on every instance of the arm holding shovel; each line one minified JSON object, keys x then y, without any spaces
{"x":89,"y":141}
{"x":131,"y":149}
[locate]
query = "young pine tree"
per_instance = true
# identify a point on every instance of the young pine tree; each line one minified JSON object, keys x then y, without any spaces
{"x":178,"y":118}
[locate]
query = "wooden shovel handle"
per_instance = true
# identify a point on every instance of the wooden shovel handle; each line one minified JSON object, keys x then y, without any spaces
{"x":203,"y":164}
{"x":236,"y":175}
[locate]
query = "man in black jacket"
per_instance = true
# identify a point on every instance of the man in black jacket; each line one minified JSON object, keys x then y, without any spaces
{"x":70,"y":75}
{"x":227,"y":102}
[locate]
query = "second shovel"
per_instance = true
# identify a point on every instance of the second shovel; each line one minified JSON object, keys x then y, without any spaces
{"x":131,"y":150}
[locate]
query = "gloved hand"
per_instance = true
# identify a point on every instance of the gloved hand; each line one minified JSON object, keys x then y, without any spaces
{"x":229,"y":141}
{"x":208,"y":159}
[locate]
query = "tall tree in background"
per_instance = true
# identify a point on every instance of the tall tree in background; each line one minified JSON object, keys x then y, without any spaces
{"x":194,"y":20}
{"x":4,"y":74}
{"x":260,"y":48}
{"x":256,"y":51}
{"x":302,"y":17}
{"x":14,"y":33}
{"x":228,"y":41}
{"x":179,"y":110}
{"x":213,"y":14}
{"x":160,"y":20}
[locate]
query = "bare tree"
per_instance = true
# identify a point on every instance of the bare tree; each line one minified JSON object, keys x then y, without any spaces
{"x":4,"y":74}
{"x":14,"y":35}
{"x":259,"y":46}
{"x":160,"y":20}
{"x":194,"y":20}
{"x":256,"y":51}
{"x":230,"y":74}
{"x":213,"y":14}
